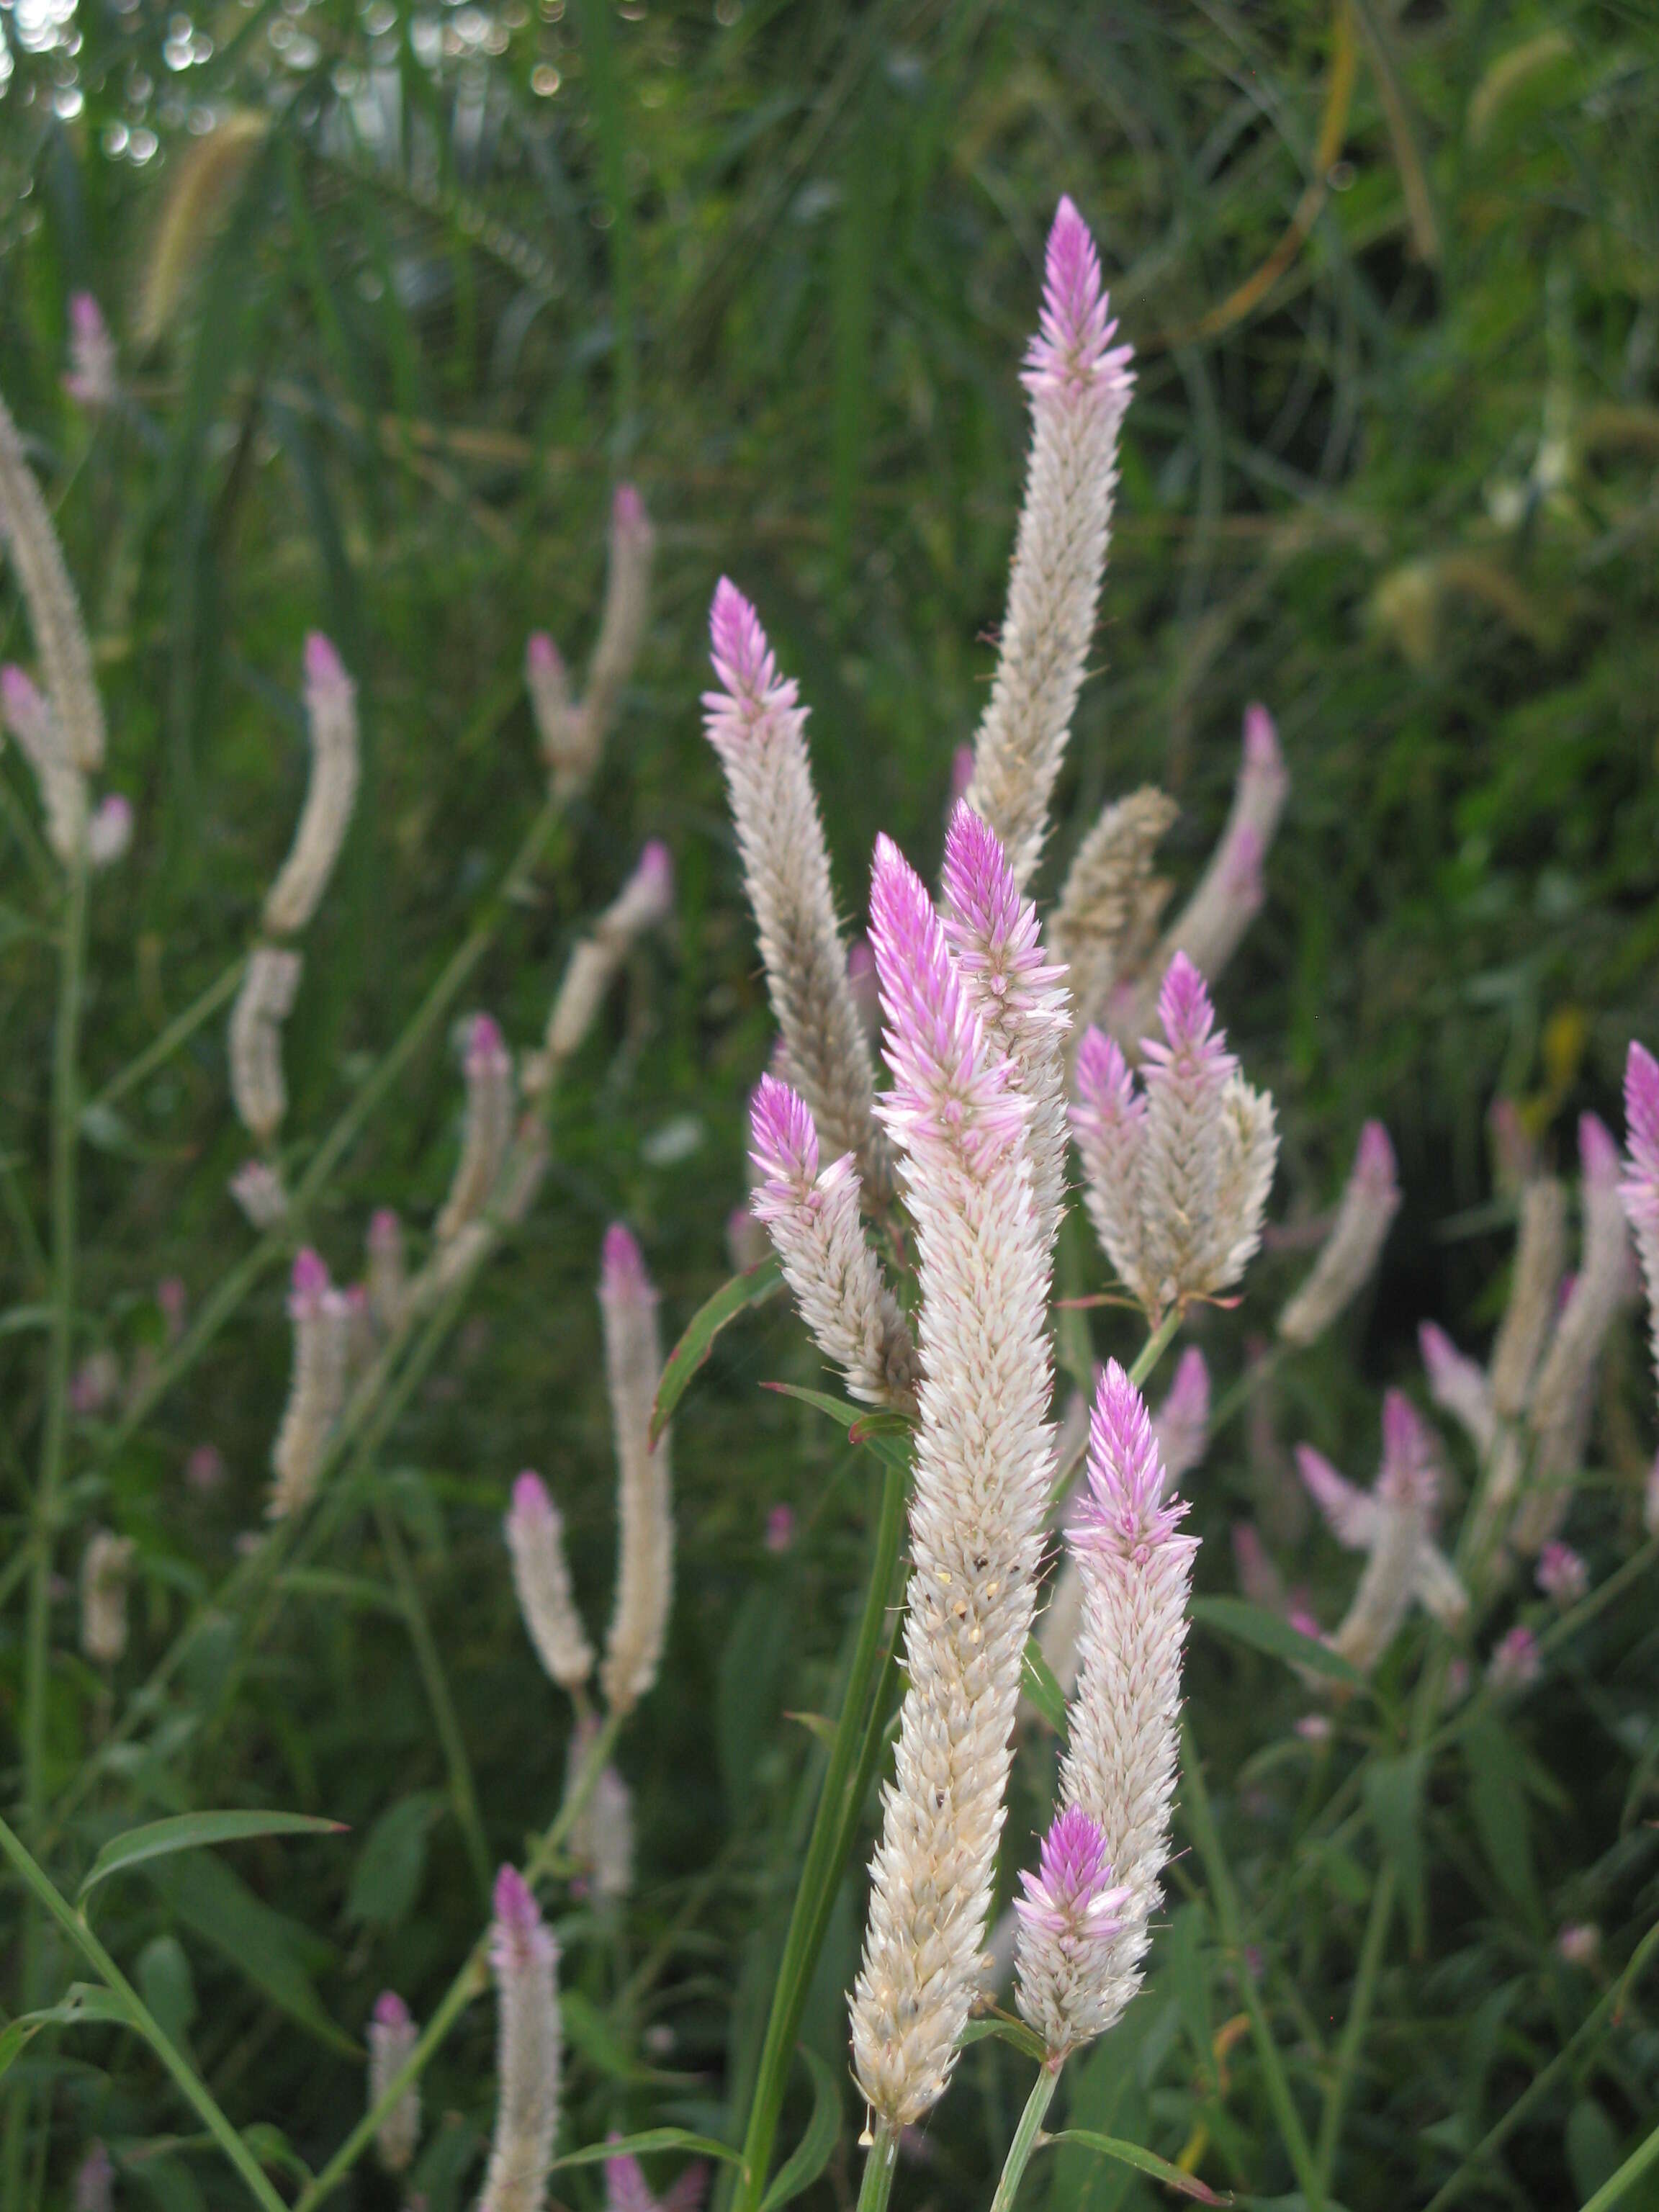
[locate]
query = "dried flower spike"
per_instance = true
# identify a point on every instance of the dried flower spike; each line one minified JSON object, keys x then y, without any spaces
{"x":525,"y":1959}
{"x":264,"y":1002}
{"x":1078,"y":384}
{"x":1370,"y":1199}
{"x":756,"y":727}
{"x":487,"y":1129}
{"x":391,"y":2036}
{"x":60,"y":634}
{"x":28,"y":714}
{"x":645,"y":1568}
{"x":535,"y":1538}
{"x":321,"y":1319}
{"x":331,"y":720}
{"x":105,"y":1565}
{"x":837,"y":1281}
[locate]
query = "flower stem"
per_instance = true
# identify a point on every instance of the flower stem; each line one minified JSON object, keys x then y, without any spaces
{"x":878,"y":2184}
{"x":1353,"y":2028}
{"x":1025,"y":2138}
{"x":1154,"y":1348}
{"x":183,"y":1026}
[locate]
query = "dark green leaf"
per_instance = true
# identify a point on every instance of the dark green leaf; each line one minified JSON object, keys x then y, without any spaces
{"x":167,"y":1984}
{"x":387,"y":1880}
{"x":813,"y":2153}
{"x":1497,"y":1801}
{"x":887,"y":1435}
{"x":267,"y":1947}
{"x":1265,"y":1632}
{"x":733,"y":1298}
{"x":1394,"y":1799}
{"x":1006,"y":2029}
{"x":191,"y":1831}
{"x":83,"y":2003}
{"x":1143,"y":2161}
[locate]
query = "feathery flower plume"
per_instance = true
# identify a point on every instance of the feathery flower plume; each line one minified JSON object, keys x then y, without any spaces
{"x":756,"y":727}
{"x":837,"y":1281}
{"x":257,"y":1189}
{"x":109,"y":833}
{"x":1516,"y":1663}
{"x":90,"y":379}
{"x":1109,"y":909}
{"x":1640,"y":1192}
{"x":525,"y":1960}
{"x":1181,"y":1426}
{"x":320,"y":1318}
{"x":105,"y":1565}
{"x":60,"y":634}
{"x":1541,"y":1254}
{"x":263,"y":1004}
{"x":1069,"y":1917}
{"x":391,"y":2036}
{"x":572,"y":733}
{"x":535,"y":1537}
{"x":388,"y":1282}
{"x":1562,"y":1397}
{"x":1370,"y":1199}
{"x":1562,"y":1575}
{"x":1019,"y":995}
{"x":28,"y":714}
{"x":1119,"y":1771}
{"x":983,"y":1467}
{"x":1078,"y":384}
{"x":331,"y":720}
{"x":602,"y":1836}
{"x":487,"y":1129}
{"x":1210,"y":926}
{"x":1177,"y":1167}
{"x":1459,"y":1386}
{"x":647,"y":898}
{"x":645,"y":1568}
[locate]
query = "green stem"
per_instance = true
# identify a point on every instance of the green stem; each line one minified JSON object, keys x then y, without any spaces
{"x":1025,"y":2138}
{"x":878,"y":2184}
{"x":1196,"y":1805}
{"x":1613,"y":2187}
{"x":832,"y":1827}
{"x":1353,"y":2028}
{"x":468,"y":1983}
{"x":1154,"y":1348}
{"x":162,"y":1048}
{"x":461,"y":1788}
{"x":196,"y":2091}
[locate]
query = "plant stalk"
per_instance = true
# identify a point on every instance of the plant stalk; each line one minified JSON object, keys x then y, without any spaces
{"x":1025,"y":2138}
{"x":877,"y":2185}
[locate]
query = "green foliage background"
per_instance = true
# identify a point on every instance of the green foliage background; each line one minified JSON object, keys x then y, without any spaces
{"x":777,"y":261}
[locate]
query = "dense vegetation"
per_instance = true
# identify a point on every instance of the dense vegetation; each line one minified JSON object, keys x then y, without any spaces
{"x":399,"y":295}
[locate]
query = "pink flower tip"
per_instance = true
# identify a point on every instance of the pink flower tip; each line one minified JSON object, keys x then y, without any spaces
{"x":1517,"y":1660}
{"x":1598,"y":1156}
{"x":1184,"y":1010}
{"x":1072,"y":353}
{"x":1072,"y":1891}
{"x":1103,"y":1079}
{"x":484,"y":1043}
{"x":1262,"y":747}
{"x":780,"y":1528}
{"x":1374,"y":1160}
{"x":627,"y":508}
{"x":961,"y":772}
{"x":979,"y":884}
{"x":310,"y":1277}
{"x":743,"y":661}
{"x":1122,"y":1511}
{"x":622,"y":1263}
{"x":85,"y":315}
{"x":541,"y":655}
{"x":1407,"y":1448}
{"x":20,"y":700}
{"x":517,"y":1913}
{"x":1190,"y":1394}
{"x":654,"y":872}
{"x":1641,"y":1091}
{"x":391,"y":2011}
{"x":204,"y":1470}
{"x":325,"y":670}
{"x":1440,"y":1355}
{"x":529,"y":1499}
{"x":786,"y":1141}
{"x":1562,"y":1574}
{"x":385,"y":1229}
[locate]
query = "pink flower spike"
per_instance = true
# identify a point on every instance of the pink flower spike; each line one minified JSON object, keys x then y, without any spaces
{"x":1107,"y":1098}
{"x":390,"y":2010}
{"x":1516,"y":1663}
{"x":484,"y":1044}
{"x":1263,"y":755}
{"x":785,"y":1144}
{"x":992,"y":930}
{"x":621,"y":1269}
{"x":1350,"y":1515}
{"x":1374,"y":1161}
{"x":1408,"y":1468}
{"x":780,"y":1528}
{"x":520,"y":1935}
{"x":1182,"y":1425}
{"x":1073,"y":354}
{"x":386,"y":1230}
{"x":1641,"y":1096}
{"x":625,"y":2186}
{"x":325,"y":670}
{"x":22,"y":704}
{"x":961,"y":772}
{"x":1562,"y":1575}
{"x":541,"y":656}
{"x":742,"y":659}
{"x":529,"y":1499}
{"x":627,"y":508}
{"x":1073,"y":1893}
{"x":1188,"y":1020}
{"x":310,"y":1283}
{"x":1123,"y":1512}
{"x":1598,"y":1155}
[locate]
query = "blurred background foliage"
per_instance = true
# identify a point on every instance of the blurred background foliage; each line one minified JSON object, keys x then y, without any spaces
{"x":400,"y":292}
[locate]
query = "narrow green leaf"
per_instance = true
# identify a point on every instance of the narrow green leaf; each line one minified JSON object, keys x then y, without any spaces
{"x":813,"y":2153}
{"x":1498,"y":1803}
{"x":267,"y":1946}
{"x":1265,"y":1632}
{"x":1037,"y":1680}
{"x":1006,"y":2029}
{"x":191,"y":1831}
{"x":733,"y":1298}
{"x":588,"y":2031}
{"x":887,"y":1435}
{"x":84,"y":2002}
{"x":653,"y":2139}
{"x":1393,"y":1798}
{"x":1143,"y":2161}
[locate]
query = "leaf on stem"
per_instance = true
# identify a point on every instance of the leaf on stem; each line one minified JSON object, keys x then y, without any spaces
{"x":813,"y":2153}
{"x":191,"y":1831}
{"x":733,"y":1298}
{"x":1265,"y":1632}
{"x":1143,"y":2161}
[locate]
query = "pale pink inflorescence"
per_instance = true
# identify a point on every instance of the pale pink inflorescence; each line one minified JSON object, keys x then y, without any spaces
{"x":1394,"y":1524}
{"x":330,"y":792}
{"x":1540,"y":1255}
{"x":26,"y":713}
{"x":1018,"y":995}
{"x":387,"y":1274}
{"x":90,"y":380}
{"x":1177,"y":1161}
{"x":1516,"y":1663}
{"x":60,"y":634}
{"x":813,"y":1220}
{"x":1639,"y":1191}
{"x":486,"y":1128}
{"x":94,"y":2181}
{"x":645,"y":900}
{"x":524,"y":1958}
{"x":391,"y":2036}
{"x":1069,"y":1915}
{"x":1107,"y":916}
{"x":984,"y":1465}
{"x":602,"y":1835}
{"x":541,"y":1577}
{"x":258,"y":1190}
{"x":1119,"y":1770}
{"x":321,"y":1319}
{"x":258,"y":1088}
{"x":1562,"y":1575}
{"x":626,"y":2189}
{"x":1371,"y":1199}
{"x":1459,"y":1386}
{"x":105,"y":1566}
{"x":645,"y":1566}
{"x":757,"y":728}
{"x":109,"y":831}
{"x":1078,"y":384}
{"x":572,"y":733}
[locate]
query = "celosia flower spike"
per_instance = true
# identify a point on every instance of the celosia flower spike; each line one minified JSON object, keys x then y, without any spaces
{"x":257,"y":1189}
{"x":1181,"y":1424}
{"x":321,"y":1317}
{"x":756,"y":727}
{"x":1639,"y":1191}
{"x":1108,"y":1121}
{"x":388,"y":1282}
{"x":330,"y":794}
{"x":602,"y":1836}
{"x":644,"y":1569}
{"x":1210,"y":926}
{"x":391,"y":2036}
{"x":1020,"y":996}
{"x":1109,"y":909}
{"x":837,"y":1279}
{"x":1562,"y":1574}
{"x":1069,"y":1916}
{"x":60,"y":634}
{"x":524,"y":1958}
{"x":258,"y":1087}
{"x":1079,"y":384}
{"x":983,"y":1468}
{"x":646,"y":899}
{"x":1370,"y":1199}
{"x":573,"y":733}
{"x":109,"y":832}
{"x":541,"y":1577}
{"x":1459,"y":1386}
{"x":487,"y":1129}
{"x":90,"y":379}
{"x":1541,"y":1254}
{"x":1516,"y":1663}
{"x":28,"y":714}
{"x":105,"y":1565}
